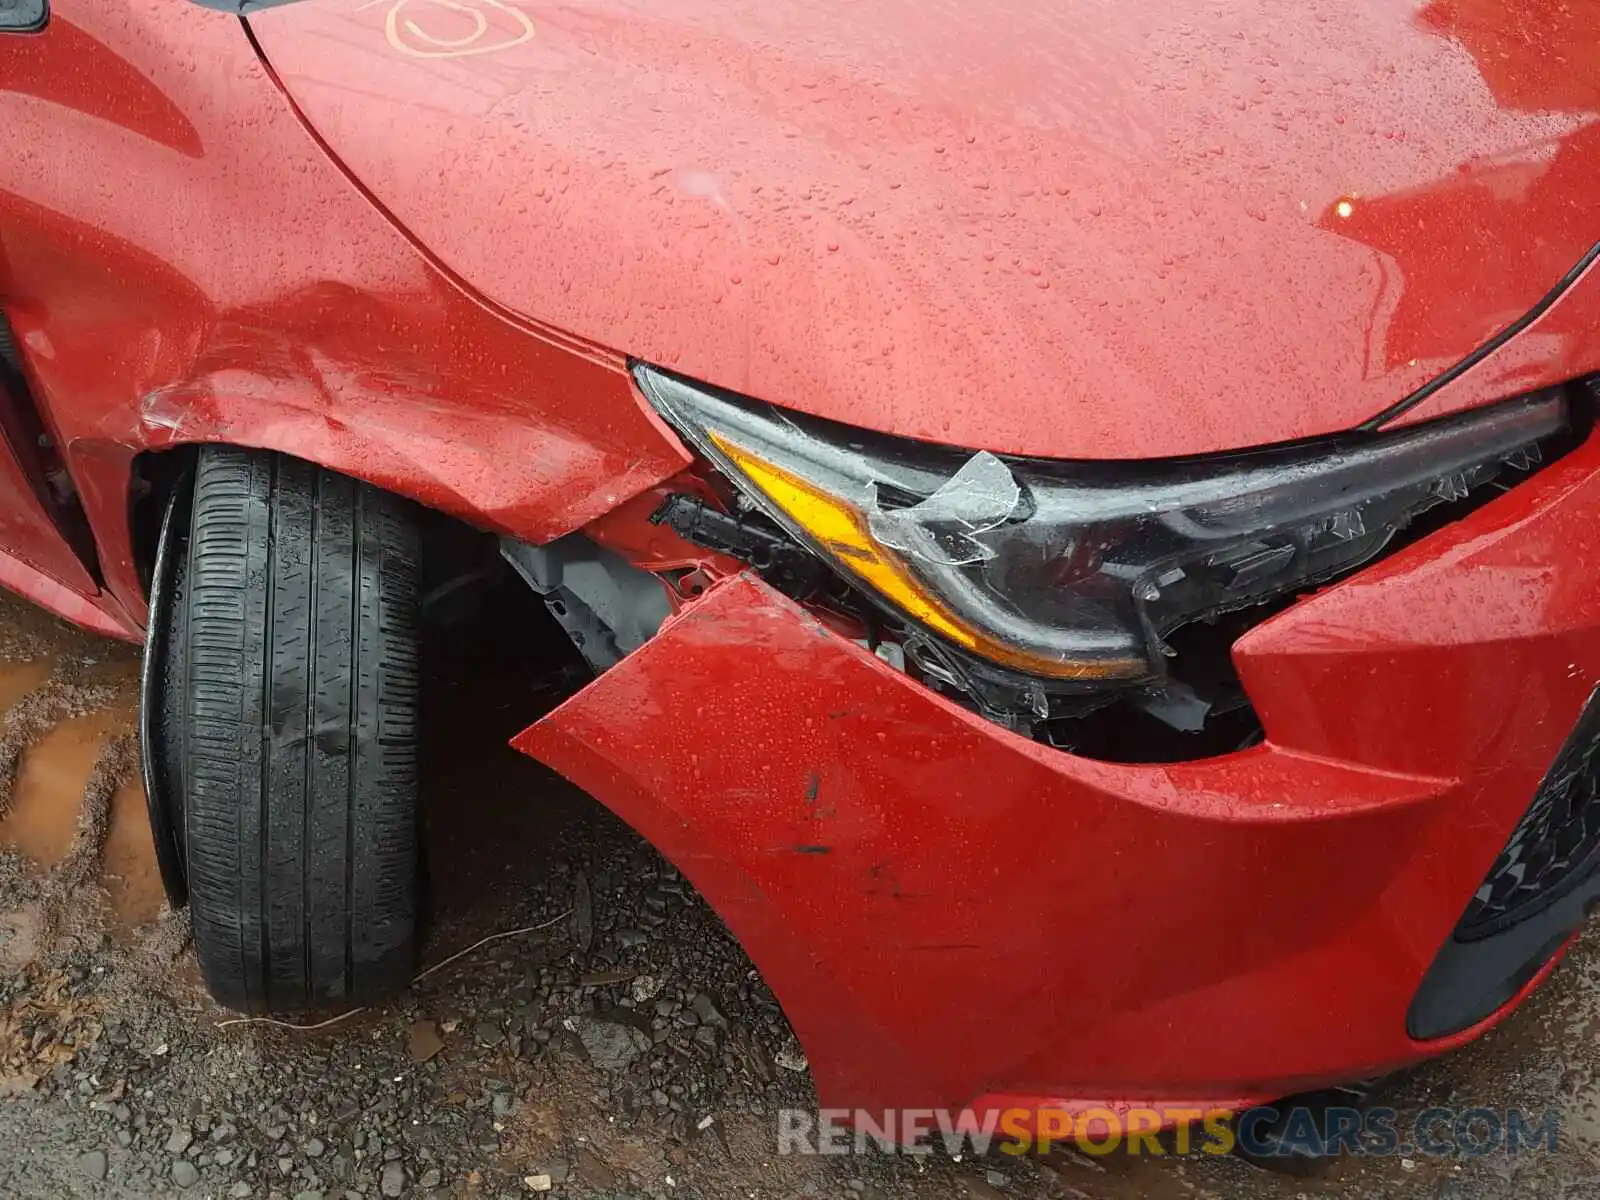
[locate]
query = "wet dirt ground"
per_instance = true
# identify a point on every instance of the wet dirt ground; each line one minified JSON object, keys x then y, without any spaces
{"x":616,"y":1042}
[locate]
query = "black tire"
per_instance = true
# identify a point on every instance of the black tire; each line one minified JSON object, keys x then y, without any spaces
{"x":290,"y":728}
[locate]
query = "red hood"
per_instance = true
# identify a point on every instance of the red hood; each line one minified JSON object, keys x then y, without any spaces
{"x":1062,"y":227}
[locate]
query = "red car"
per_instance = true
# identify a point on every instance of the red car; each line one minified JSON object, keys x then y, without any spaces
{"x":1081,"y":516}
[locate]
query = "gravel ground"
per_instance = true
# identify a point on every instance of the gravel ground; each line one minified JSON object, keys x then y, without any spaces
{"x":614,"y":1042}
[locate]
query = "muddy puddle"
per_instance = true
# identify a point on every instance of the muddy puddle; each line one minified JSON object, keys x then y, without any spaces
{"x":47,"y":813}
{"x":70,"y":795}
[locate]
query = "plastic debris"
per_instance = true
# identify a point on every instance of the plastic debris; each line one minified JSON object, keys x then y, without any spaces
{"x":979,"y":497}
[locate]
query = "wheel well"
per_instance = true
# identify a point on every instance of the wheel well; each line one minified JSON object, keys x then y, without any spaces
{"x":23,"y":429}
{"x":452,"y":549}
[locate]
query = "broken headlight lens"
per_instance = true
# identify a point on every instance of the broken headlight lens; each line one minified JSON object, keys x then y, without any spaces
{"x":1074,"y":571}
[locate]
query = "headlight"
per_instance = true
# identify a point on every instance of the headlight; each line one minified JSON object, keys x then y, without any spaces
{"x":1074,"y":571}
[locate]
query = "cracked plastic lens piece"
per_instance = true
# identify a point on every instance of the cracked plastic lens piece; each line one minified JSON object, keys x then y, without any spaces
{"x":1075,"y":571}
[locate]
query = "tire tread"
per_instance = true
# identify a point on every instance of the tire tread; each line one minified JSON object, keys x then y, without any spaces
{"x":297,"y":702}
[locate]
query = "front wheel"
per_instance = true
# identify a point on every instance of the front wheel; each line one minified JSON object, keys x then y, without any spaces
{"x":288,"y":726}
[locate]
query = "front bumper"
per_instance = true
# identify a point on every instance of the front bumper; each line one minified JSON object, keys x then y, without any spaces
{"x":951,"y":914}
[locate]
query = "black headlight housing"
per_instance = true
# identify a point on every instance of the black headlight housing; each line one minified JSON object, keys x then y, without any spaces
{"x":1031,"y":583}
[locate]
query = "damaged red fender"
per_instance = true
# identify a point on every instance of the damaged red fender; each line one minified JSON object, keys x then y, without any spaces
{"x":221,"y":301}
{"x":950,"y":913}
{"x":907,"y":875}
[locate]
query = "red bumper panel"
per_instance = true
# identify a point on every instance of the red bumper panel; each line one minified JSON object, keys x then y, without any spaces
{"x":948,"y":911}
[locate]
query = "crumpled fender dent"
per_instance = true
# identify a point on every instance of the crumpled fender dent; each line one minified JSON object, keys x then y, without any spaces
{"x":324,"y":333}
{"x":901,"y":870}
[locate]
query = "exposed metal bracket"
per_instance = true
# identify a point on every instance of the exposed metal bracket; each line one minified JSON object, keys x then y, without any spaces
{"x":608,"y":607}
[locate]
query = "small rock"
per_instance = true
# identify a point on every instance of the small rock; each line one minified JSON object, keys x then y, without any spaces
{"x":611,"y":1045}
{"x":94,"y":1164}
{"x":179,"y":1141}
{"x":430,"y":1178}
{"x":645,"y":988}
{"x":239,"y":1191}
{"x":224,"y":1133}
{"x":423,"y":1041}
{"x":185,"y":1174}
{"x":224,"y":1157}
{"x":308,"y":1196}
{"x":790,"y":1058}
{"x":706,"y":1009}
{"x":536,"y":1183}
{"x":629,"y":938}
{"x":489,"y":1033}
{"x":315,"y":1148}
{"x":592,"y":1169}
{"x":996,"y":1179}
{"x":393,"y":1180}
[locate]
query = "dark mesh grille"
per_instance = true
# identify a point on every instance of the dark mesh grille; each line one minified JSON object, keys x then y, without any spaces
{"x":1554,"y":846}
